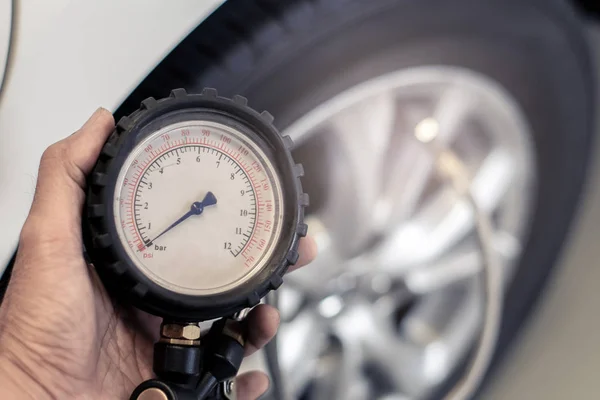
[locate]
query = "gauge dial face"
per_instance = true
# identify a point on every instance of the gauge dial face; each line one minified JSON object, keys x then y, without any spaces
{"x":198,"y":208}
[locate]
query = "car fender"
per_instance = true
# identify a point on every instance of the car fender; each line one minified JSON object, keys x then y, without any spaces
{"x":68,"y":59}
{"x":6,"y":7}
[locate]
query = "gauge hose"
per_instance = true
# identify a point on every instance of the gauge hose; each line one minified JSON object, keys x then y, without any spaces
{"x":454,"y":171}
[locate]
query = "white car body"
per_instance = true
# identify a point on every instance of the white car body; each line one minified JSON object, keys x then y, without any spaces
{"x":5,"y":33}
{"x":67,"y":59}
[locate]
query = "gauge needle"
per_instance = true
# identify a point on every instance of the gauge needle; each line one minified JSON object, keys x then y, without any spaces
{"x":161,"y":169}
{"x":196,"y":209}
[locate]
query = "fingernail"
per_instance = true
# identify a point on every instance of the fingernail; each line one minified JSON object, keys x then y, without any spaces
{"x":92,"y":117}
{"x":99,"y":111}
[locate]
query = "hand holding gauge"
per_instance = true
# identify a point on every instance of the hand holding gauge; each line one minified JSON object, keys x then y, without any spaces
{"x":213,"y":258}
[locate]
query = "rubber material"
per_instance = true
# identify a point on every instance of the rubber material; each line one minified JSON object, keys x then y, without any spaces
{"x":177,"y":364}
{"x":119,"y":274}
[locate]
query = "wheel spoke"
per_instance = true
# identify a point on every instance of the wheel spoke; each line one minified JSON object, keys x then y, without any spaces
{"x":347,"y":380}
{"x":360,"y":136}
{"x":452,"y":110}
{"x":447,"y":271}
{"x":409,"y":166}
{"x":446,"y":219}
{"x":461,"y":264}
{"x":409,"y":163}
{"x":378,"y":342}
{"x":302,"y":341}
{"x":442,"y":326}
{"x":492,"y":180}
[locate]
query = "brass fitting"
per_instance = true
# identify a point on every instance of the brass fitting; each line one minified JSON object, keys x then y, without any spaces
{"x":152,"y":394}
{"x":233,"y":329}
{"x":181,"y":334}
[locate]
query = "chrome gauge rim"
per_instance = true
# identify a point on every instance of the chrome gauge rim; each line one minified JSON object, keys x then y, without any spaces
{"x":392,"y":304}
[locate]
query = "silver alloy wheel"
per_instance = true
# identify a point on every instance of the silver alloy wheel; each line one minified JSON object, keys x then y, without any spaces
{"x":392,"y":304}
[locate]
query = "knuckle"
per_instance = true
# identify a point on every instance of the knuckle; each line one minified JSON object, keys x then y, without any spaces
{"x":32,"y":232}
{"x":56,"y":152}
{"x":59,"y":158}
{"x":28,"y":234}
{"x":38,"y":244}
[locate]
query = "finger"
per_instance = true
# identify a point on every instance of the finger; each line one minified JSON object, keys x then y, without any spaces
{"x":62,"y":172}
{"x":87,"y":142}
{"x":251,"y":385}
{"x":261,"y":326}
{"x":307,"y":250}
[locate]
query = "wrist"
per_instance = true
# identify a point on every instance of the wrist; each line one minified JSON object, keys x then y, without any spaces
{"x":16,"y":383}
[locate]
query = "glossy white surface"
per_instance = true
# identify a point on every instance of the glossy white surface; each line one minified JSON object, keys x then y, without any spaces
{"x":70,"y":58}
{"x":5,"y":26}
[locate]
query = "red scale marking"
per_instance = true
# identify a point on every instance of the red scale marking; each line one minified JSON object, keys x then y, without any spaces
{"x":208,"y":144}
{"x":131,"y":213}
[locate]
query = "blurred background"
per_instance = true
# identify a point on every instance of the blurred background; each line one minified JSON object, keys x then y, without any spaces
{"x":394,"y":303}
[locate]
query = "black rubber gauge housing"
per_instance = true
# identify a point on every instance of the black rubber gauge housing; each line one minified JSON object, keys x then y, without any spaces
{"x":118,"y":272}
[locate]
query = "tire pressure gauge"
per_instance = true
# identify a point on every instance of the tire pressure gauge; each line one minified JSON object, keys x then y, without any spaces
{"x":194,"y":208}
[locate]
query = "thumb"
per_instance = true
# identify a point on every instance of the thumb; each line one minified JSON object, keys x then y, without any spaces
{"x":59,"y":194}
